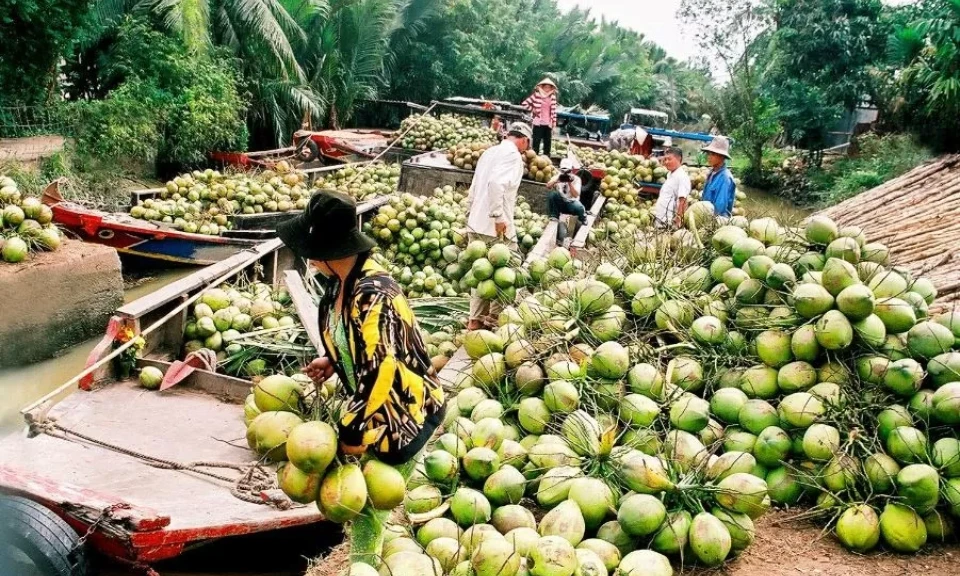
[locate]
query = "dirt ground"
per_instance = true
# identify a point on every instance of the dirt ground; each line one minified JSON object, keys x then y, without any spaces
{"x":782,"y":549}
{"x":30,"y":149}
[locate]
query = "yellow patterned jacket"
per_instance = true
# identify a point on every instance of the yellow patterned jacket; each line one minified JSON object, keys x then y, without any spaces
{"x":380,"y":356}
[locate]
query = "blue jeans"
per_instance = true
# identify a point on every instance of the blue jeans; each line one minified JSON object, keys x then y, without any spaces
{"x":557,"y":205}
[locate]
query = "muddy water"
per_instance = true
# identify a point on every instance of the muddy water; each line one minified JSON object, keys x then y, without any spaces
{"x":22,"y":385}
{"x":760,"y":204}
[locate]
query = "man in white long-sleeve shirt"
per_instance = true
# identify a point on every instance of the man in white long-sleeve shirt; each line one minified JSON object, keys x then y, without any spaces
{"x":493,"y":200}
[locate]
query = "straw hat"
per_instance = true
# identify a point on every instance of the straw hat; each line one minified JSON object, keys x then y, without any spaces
{"x":719,"y":145}
{"x":547,"y":82}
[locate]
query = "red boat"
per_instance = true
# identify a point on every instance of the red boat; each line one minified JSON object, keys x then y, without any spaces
{"x":326,"y":146}
{"x":142,"y":475}
{"x":140,"y":238}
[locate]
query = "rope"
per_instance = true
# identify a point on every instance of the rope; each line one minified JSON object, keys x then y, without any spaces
{"x":255,"y":479}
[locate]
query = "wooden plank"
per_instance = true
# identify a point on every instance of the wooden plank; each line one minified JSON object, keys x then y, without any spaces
{"x":200,"y":279}
{"x":580,"y":240}
{"x":305,"y":307}
{"x":546,"y":243}
{"x":458,"y":364}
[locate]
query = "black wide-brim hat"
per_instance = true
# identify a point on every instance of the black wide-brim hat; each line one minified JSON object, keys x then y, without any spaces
{"x":326,"y":230}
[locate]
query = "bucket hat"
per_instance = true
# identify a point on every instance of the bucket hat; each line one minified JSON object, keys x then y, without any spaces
{"x":326,"y":230}
{"x":521,"y":129}
{"x":719,"y":145}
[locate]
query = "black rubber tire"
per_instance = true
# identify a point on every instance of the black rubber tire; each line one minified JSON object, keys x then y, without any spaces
{"x":49,"y":542}
{"x":308,"y":151}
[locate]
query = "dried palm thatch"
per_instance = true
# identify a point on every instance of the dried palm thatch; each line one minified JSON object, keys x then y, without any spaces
{"x":917,"y":216}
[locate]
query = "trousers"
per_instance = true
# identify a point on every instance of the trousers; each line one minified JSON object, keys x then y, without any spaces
{"x":544,"y":135}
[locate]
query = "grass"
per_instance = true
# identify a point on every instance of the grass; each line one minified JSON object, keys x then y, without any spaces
{"x":881,"y":158}
{"x":91,"y":183}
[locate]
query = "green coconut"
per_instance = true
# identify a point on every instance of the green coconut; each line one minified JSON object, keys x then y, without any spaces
{"x":555,"y":485}
{"x":897,"y":315}
{"x":739,"y":526}
{"x":783,"y":486}
{"x":946,"y":403}
{"x":744,"y":248}
{"x":870,"y":331}
{"x":833,"y":331}
{"x":448,"y":552}
{"x":903,"y":377}
{"x":760,"y":382}
{"x":610,"y":360}
{"x":838,"y":275}
{"x":773,"y":348}
{"x":595,"y":500}
{"x":299,"y":486}
{"x":553,"y":556}
{"x":888,"y":284}
{"x":821,"y":442}
{"x":410,"y":564}
{"x":812,"y":300}
{"x":422,"y":499}
{"x":686,"y":373}
{"x":821,"y":230}
{"x":892,"y":417}
{"x":470,"y":507}
{"x":881,"y":471}
{"x":565,"y":521}
{"x":505,"y":486}
{"x":944,"y":368}
{"x":796,"y":376}
{"x":312,"y":446}
{"x":533,"y":415}
{"x":475,"y":535}
{"x":726,"y":403}
{"x":804,"y":344}
{"x":479,"y":463}
{"x":857,"y":302}
{"x":919,"y":485}
{"x":151,"y":377}
{"x":781,"y":276}
{"x":489,"y":371}
{"x":709,"y":330}
{"x":277,"y":392}
{"x":929,"y":339}
{"x":343,"y":494}
{"x":524,"y":540}
{"x":844,"y":248}
{"x":673,"y":536}
{"x":709,"y":539}
{"x":608,"y":554}
{"x":741,"y":493}
{"x":858,"y":528}
{"x":638,"y":410}
{"x":644,"y":474}
{"x":438,"y":528}
{"x":730,"y":462}
{"x":268,"y":433}
{"x":690,"y":413}
{"x":841,"y":473}
{"x":902,"y":528}
{"x":946,"y":456}
{"x":772,"y":447}
{"x":907,"y":445}
{"x":641,"y":515}
{"x":758,"y":414}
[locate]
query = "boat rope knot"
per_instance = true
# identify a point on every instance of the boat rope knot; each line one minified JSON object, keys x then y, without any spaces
{"x":256,"y":483}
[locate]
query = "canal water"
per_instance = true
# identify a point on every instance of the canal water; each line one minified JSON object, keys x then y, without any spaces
{"x":285,"y":556}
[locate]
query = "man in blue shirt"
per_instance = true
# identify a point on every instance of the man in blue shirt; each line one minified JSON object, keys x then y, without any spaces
{"x":720,"y":189}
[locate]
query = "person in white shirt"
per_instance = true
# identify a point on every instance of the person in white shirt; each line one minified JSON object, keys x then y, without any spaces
{"x":493,"y":200}
{"x":564,"y":197}
{"x":672,"y":202}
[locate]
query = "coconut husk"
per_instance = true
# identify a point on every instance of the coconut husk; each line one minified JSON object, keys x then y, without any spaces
{"x":917,"y":216}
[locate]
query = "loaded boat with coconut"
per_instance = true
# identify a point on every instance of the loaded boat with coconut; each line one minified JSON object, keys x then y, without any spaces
{"x":144,"y":474}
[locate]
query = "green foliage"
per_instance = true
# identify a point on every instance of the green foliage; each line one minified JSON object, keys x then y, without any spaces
{"x":36,"y":34}
{"x":878,"y":159}
{"x":170,"y":105}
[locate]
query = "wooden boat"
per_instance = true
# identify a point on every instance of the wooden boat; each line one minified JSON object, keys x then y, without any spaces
{"x":140,"y":238}
{"x":131,"y":468}
{"x":326,"y":147}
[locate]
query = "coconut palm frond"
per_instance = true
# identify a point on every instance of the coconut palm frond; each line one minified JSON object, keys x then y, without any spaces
{"x":189,"y":18}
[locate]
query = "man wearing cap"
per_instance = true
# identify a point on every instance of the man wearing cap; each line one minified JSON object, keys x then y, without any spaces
{"x":720,"y":189}
{"x":564,"y":197}
{"x":370,"y":336}
{"x":493,"y":200}
{"x":542,"y":104}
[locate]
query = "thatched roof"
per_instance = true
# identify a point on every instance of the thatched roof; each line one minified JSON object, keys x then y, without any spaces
{"x":917,"y":216}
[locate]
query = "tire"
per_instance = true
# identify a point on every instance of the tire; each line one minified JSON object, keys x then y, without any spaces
{"x":40,"y":535}
{"x":308,"y":151}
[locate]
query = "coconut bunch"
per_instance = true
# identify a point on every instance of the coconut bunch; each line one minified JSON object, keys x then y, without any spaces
{"x":620,"y":221}
{"x":205,"y":202}
{"x":538,"y":168}
{"x":250,"y":327}
{"x":467,"y":155}
{"x":543,"y":422}
{"x":362,"y":182}
{"x":287,"y":423}
{"x":818,"y":362}
{"x":493,"y":271}
{"x":421,"y":245}
{"x":443,"y":132}
{"x":697,"y":194}
{"x":419,"y":241}
{"x":26,"y":224}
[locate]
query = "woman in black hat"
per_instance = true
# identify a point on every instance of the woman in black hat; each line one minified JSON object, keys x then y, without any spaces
{"x":370,"y":335}
{"x":372,"y":343}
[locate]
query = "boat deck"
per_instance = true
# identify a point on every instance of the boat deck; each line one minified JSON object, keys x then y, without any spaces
{"x":168,"y":508}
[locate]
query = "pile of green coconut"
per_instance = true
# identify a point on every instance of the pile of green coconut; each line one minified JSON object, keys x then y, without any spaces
{"x":26,"y":224}
{"x":637,"y":414}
